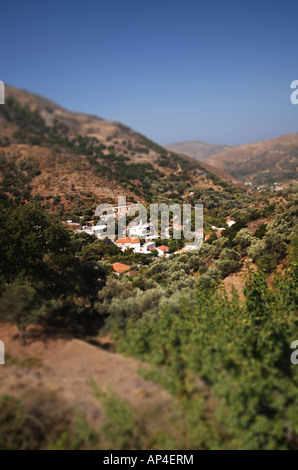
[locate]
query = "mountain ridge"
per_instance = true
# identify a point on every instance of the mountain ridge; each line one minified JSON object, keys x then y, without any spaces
{"x":197,"y":149}
{"x":261,"y":163}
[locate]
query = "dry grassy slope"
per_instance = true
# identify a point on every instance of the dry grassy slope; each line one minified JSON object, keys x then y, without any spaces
{"x":78,"y":123}
{"x":223,"y":175}
{"x":65,"y":366}
{"x":64,"y":174}
{"x":266,"y":161}
{"x":62,"y":171}
{"x":107,"y":132}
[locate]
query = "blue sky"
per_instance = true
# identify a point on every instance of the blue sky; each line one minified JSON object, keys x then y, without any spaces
{"x":218,"y":71}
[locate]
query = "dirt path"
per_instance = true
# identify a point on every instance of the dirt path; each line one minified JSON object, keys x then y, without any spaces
{"x":179,"y":170}
{"x":66,"y":366}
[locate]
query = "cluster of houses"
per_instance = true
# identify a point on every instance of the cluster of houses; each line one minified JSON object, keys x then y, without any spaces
{"x":133,"y":234}
{"x":135,"y":245}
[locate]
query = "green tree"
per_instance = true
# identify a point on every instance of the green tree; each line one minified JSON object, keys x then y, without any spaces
{"x":20,"y":305}
{"x":27,"y":234}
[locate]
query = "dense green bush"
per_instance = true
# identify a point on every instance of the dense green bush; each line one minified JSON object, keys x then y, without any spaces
{"x":242,"y":353}
{"x":33,"y":422}
{"x":244,"y":239}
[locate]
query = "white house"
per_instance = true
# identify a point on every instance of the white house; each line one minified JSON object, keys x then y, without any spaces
{"x":147,"y":247}
{"x":72,"y":224}
{"x":230,"y":222}
{"x":217,"y":228}
{"x":125,"y":243}
{"x":162,"y":250}
{"x":98,"y":230}
{"x":142,"y":230}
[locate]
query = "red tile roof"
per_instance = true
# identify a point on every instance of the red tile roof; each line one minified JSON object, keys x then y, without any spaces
{"x":208,"y":235}
{"x":123,"y":240}
{"x":128,"y":240}
{"x":120,"y":268}
{"x":163,"y":248}
{"x":183,"y":250}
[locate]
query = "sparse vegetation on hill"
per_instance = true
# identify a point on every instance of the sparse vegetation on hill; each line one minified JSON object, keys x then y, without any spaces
{"x":261,"y":163}
{"x":222,"y":356}
{"x":135,"y":163}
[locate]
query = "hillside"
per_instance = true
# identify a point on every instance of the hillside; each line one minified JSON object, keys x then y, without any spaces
{"x":261,"y":163}
{"x":58,"y":359}
{"x":70,"y":162}
{"x":196,"y":149}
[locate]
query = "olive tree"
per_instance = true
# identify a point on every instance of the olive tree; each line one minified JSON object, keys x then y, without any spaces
{"x":20,"y":305}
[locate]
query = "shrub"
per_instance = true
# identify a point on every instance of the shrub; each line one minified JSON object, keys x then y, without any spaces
{"x":33,"y":422}
{"x":266,"y":263}
{"x":20,"y":305}
{"x":244,"y":239}
{"x":241,"y":352}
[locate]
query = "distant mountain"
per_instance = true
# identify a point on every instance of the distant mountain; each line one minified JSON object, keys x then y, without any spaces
{"x":265,"y":162}
{"x":196,"y":148}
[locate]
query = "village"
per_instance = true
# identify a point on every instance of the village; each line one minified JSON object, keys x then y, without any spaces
{"x":139,"y":237}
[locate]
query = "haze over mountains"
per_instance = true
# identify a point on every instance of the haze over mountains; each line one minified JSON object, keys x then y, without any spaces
{"x":265,"y":162}
{"x":196,"y":148}
{"x":260,"y":163}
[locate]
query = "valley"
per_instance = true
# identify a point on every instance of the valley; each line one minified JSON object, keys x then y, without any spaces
{"x":142,"y":343}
